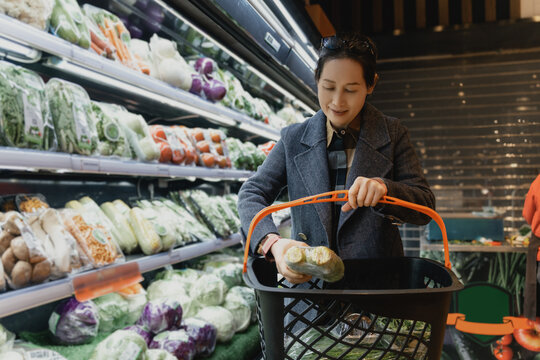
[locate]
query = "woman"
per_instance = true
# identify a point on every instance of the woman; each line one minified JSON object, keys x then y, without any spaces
{"x":348,"y":144}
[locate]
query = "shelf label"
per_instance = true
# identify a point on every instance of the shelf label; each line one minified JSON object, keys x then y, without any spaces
{"x":103,"y":281}
{"x":274,"y":44}
{"x":90,"y":165}
{"x":163,"y":170}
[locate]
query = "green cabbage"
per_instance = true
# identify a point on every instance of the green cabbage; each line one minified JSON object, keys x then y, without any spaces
{"x":113,"y":312}
{"x":210,"y":291}
{"x":120,"y":345}
{"x":221,"y":318}
{"x":240,"y":309}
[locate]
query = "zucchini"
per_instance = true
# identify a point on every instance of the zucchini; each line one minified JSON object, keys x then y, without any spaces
{"x":320,"y":262}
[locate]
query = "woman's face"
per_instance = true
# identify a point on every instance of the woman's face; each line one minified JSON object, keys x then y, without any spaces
{"x":342,"y":91}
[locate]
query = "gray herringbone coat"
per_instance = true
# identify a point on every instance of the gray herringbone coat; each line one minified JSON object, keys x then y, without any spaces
{"x":299,"y":162}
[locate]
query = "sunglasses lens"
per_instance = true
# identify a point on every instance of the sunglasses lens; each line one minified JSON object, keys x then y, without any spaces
{"x":331,"y":43}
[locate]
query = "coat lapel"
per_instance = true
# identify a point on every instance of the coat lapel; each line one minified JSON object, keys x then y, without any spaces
{"x":312,"y":166}
{"x":368,"y":160}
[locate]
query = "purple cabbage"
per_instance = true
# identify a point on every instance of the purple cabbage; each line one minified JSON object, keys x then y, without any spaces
{"x":147,"y":336}
{"x":177,"y":342}
{"x":204,"y":334}
{"x":135,"y":31}
{"x":205,"y":65}
{"x":214,"y":90}
{"x":161,"y":315}
{"x":196,"y":84}
{"x":73,"y":322}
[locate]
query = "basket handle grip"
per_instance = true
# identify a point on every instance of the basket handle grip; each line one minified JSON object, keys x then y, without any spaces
{"x":509,"y":324}
{"x":343,"y":195}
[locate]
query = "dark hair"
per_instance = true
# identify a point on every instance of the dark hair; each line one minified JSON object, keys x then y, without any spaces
{"x":349,"y":46}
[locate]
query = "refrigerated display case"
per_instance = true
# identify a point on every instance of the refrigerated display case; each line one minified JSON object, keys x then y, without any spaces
{"x":62,"y":176}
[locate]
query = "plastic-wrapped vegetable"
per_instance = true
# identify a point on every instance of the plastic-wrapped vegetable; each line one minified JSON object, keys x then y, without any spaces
{"x":169,"y":65}
{"x":221,"y":318}
{"x":199,"y":231}
{"x":112,"y":139}
{"x":163,"y":226}
{"x":33,"y":12}
{"x":67,"y":21}
{"x":73,"y":322}
{"x":159,"y":354}
{"x":147,"y":237}
{"x":120,"y":345}
{"x":204,"y":334}
{"x":161,"y":315}
{"x":179,"y":225}
{"x":121,"y":222}
{"x":240,"y":309}
{"x":200,"y":203}
{"x":320,"y":262}
{"x":136,"y":302}
{"x":210,"y":291}
{"x":249,"y":296}
{"x":6,"y":339}
{"x":174,"y":290}
{"x":177,"y":342}
{"x":136,"y":131}
{"x":113,"y":311}
{"x":228,"y":215}
{"x":72,"y":116}
{"x":188,"y":277}
{"x":141,"y":330}
{"x":231,"y":274}
{"x":25,"y":116}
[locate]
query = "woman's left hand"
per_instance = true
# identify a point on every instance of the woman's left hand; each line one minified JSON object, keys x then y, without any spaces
{"x":365,"y":192}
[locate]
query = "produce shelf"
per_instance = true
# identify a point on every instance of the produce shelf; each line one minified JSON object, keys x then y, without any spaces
{"x":24,"y":159}
{"x":14,"y":301}
{"x":475,"y":248}
{"x":92,"y":67}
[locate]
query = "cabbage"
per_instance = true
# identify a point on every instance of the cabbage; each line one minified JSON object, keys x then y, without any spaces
{"x":141,"y":330}
{"x":221,"y":318}
{"x":159,"y":354}
{"x":240,"y":309}
{"x":161,"y":315}
{"x":205,"y":65}
{"x":121,"y":345}
{"x":210,"y":291}
{"x":214,"y":90}
{"x":187,"y":277}
{"x":113,"y":312}
{"x":231,"y":274}
{"x":136,"y":304}
{"x":204,"y":334}
{"x":73,"y":322}
{"x":249,"y":295}
{"x":177,"y":342}
{"x":165,"y":289}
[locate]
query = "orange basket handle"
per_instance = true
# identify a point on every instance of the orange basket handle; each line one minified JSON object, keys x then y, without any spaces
{"x":343,"y":195}
{"x":509,"y":324}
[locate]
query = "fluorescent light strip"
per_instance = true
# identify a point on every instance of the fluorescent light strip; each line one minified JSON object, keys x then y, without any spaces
{"x":15,"y":47}
{"x":291,"y":21}
{"x":272,"y":20}
{"x":93,"y":76}
{"x":172,"y":11}
{"x":305,"y":56}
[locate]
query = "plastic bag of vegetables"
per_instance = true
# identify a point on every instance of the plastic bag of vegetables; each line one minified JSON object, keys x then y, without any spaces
{"x":112,"y":139}
{"x":6,"y":339}
{"x":188,"y":277}
{"x":170,"y":66}
{"x":163,"y":226}
{"x":136,"y":131}
{"x":201,"y":204}
{"x":67,"y":21}
{"x":25,"y":117}
{"x":198,"y":231}
{"x":73,"y":322}
{"x":72,"y":116}
{"x":121,"y":221}
{"x":120,"y":345}
{"x":33,"y":12}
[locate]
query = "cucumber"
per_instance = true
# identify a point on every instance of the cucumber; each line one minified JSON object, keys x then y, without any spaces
{"x":320,"y":262}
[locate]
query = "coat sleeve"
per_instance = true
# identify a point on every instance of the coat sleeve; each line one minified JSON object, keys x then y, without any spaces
{"x":260,"y":191}
{"x":408,"y":182}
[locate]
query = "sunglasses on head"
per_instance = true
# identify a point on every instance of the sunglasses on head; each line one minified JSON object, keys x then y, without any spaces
{"x":334,"y":43}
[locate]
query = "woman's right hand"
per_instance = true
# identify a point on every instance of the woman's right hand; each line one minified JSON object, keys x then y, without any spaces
{"x":278,"y":250}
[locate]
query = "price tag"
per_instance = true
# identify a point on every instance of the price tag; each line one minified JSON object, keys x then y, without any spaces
{"x":270,"y":40}
{"x":90,"y":165}
{"x":163,"y":170}
{"x":103,"y":281}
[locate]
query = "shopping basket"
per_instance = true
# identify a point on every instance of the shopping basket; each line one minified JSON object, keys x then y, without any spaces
{"x":384,"y":308}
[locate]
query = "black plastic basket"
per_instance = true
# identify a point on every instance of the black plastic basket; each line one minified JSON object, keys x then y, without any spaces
{"x":385,"y":308}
